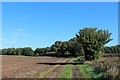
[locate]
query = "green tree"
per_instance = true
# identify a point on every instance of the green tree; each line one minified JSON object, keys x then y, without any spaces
{"x":19,"y":51}
{"x":37,"y":51}
{"x":74,"y":48}
{"x":14,"y":51}
{"x":27,"y":51}
{"x":92,"y":41}
{"x":47,"y":49}
{"x":53,"y":48}
{"x":10,"y":51}
{"x":0,"y":51}
{"x":4,"y":52}
{"x":58,"y":44}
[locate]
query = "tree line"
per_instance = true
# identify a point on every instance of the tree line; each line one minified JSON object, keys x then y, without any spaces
{"x":89,"y":42}
{"x":27,"y":51}
{"x":112,"y":49}
{"x":58,"y":49}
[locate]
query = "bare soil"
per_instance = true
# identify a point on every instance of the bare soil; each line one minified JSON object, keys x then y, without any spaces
{"x":56,"y":71}
{"x":26,"y":67}
{"x":75,"y":71}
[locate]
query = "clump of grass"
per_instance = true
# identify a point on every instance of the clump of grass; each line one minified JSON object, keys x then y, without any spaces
{"x":108,"y":65}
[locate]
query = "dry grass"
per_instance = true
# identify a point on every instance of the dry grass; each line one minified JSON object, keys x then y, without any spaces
{"x":110,"y":66}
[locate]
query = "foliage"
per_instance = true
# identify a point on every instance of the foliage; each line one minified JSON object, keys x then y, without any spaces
{"x":88,"y":71}
{"x":74,"y":48}
{"x":18,"y":51}
{"x":110,"y":66}
{"x":112,"y":49}
{"x":92,"y":41}
{"x":28,"y":51}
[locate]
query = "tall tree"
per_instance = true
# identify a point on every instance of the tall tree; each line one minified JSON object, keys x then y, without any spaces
{"x":92,"y":41}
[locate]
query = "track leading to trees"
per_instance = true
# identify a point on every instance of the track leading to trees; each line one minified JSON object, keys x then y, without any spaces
{"x":53,"y":72}
{"x":65,"y":69}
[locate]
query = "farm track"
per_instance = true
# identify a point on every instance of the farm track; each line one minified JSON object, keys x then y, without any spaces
{"x":75,"y":71}
{"x":26,"y":67}
{"x":56,"y":71}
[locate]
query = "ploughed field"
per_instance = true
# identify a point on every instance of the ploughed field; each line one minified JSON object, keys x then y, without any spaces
{"x":26,"y":67}
{"x":46,"y":67}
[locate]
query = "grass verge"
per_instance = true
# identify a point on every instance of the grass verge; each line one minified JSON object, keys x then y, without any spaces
{"x":88,"y":71}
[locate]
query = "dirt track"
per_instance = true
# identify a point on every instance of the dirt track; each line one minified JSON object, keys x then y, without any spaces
{"x":56,"y":71}
{"x":26,"y":67}
{"x":75,"y":71}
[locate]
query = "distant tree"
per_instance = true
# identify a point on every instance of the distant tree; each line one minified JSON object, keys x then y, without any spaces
{"x":14,"y":51}
{"x":58,"y":45}
{"x":64,"y":48}
{"x":74,"y":48}
{"x":37,"y":51}
{"x":116,"y":49}
{"x":48,"y":49}
{"x":0,"y":51}
{"x":10,"y":51}
{"x":92,"y":41}
{"x":112,"y":49}
{"x":4,"y":52}
{"x":27,"y":51}
{"x":53,"y":48}
{"x":19,"y":51}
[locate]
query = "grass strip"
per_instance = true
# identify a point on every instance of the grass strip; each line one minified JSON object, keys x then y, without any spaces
{"x":89,"y":72}
{"x":66,"y":71}
{"x":42,"y":75}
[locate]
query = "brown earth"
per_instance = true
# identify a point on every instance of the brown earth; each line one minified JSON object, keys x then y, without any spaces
{"x":75,"y":71}
{"x":26,"y":67}
{"x":56,"y":71}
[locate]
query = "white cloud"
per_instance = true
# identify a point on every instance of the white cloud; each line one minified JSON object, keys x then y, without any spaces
{"x":23,"y":35}
{"x":4,"y":40}
{"x":19,"y":29}
{"x":18,"y":34}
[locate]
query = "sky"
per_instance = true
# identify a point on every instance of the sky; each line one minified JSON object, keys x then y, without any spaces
{"x":40,"y":24}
